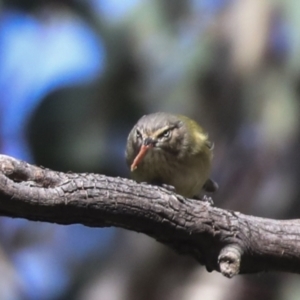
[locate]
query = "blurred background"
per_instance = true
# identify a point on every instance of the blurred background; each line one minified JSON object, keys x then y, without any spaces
{"x":75,"y":75}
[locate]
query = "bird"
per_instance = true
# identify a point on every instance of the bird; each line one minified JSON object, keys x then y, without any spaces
{"x":172,"y":151}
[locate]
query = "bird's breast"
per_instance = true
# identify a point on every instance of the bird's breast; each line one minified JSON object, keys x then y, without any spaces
{"x":186,"y":175}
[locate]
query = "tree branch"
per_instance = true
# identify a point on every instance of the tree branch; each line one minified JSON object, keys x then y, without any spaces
{"x":222,"y":240}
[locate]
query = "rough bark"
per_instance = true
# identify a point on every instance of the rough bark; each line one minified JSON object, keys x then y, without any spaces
{"x":222,"y":240}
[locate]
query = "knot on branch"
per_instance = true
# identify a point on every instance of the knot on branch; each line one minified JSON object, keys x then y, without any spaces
{"x":7,"y":165}
{"x":20,"y":171}
{"x":229,"y":260}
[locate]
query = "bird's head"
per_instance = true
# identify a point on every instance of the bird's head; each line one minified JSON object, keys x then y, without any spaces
{"x":165,"y":133}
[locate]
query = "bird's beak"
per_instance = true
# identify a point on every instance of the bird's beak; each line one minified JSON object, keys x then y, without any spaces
{"x":147,"y":143}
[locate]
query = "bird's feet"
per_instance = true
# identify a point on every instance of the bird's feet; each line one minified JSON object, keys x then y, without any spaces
{"x":205,"y":198}
{"x":168,"y":187}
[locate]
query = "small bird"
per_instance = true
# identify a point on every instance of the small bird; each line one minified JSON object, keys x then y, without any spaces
{"x":171,"y":150}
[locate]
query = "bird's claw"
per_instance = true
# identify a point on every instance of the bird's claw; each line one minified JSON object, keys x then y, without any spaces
{"x":168,"y":187}
{"x":208,"y":199}
{"x":205,"y":198}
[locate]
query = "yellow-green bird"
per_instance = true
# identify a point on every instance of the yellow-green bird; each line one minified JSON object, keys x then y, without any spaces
{"x":172,"y":150}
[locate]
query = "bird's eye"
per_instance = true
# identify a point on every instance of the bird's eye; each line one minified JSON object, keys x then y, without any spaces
{"x":165,"y":134}
{"x":138,"y":134}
